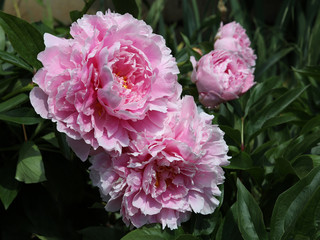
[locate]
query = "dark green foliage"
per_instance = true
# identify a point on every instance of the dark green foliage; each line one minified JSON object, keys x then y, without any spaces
{"x":272,"y":185}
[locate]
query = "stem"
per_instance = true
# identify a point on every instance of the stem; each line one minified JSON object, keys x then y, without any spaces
{"x":242,"y":137}
{"x":24,"y":133}
{"x":16,"y":8}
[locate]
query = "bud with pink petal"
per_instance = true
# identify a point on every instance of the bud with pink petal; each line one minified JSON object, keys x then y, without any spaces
{"x":233,"y":37}
{"x":221,"y":76}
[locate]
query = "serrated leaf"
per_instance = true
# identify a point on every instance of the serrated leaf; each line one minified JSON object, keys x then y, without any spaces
{"x":15,"y":60}
{"x":291,"y":204}
{"x":18,"y":30}
{"x":25,"y":116}
{"x":13,"y":102}
{"x":250,"y":220}
{"x":30,"y":167}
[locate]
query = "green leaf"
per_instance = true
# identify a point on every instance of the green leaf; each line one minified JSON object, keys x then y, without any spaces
{"x":97,"y":233}
{"x":272,"y":60}
{"x":126,"y":6}
{"x":250,"y":220}
{"x":25,"y":38}
{"x":303,"y":164}
{"x":2,"y":39}
{"x":30,"y":167}
{"x":75,"y":15}
{"x":13,"y":102}
{"x":187,"y":237}
{"x":228,"y":229}
{"x":15,"y":60}
{"x":309,"y":71}
{"x":241,"y":161}
{"x":292,"y":203}
{"x":150,"y":233}
{"x":311,"y":125}
{"x":273,"y":109}
{"x":302,"y":144}
{"x":25,"y":116}
{"x":205,"y":224}
{"x":234,"y":134}
{"x":276,"y":121}
{"x":155,"y":12}
{"x":9,"y":186}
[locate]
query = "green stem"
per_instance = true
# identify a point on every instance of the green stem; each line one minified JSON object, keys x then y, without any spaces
{"x":242,"y":137}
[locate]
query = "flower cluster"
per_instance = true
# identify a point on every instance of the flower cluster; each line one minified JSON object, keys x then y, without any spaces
{"x":113,"y":90}
{"x":226,"y":72}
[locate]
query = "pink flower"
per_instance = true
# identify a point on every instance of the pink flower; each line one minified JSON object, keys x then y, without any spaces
{"x":163,"y":179}
{"x":233,"y":37}
{"x":114,"y":78}
{"x":221,"y":76}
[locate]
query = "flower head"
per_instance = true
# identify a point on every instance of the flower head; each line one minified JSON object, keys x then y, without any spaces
{"x":162,"y":179}
{"x":113,"y":78}
{"x":221,"y":76}
{"x":233,"y":37}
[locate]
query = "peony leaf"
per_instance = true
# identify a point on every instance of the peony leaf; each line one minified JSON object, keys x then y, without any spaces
{"x":30,"y":167}
{"x":13,"y":102}
{"x":302,"y":144}
{"x":18,"y":30}
{"x":291,"y":205}
{"x":9,"y":186}
{"x":205,"y":224}
{"x":15,"y":60}
{"x":126,"y":6}
{"x":25,"y":116}
{"x":98,"y":233}
{"x":187,"y":237}
{"x":303,"y":164}
{"x":241,"y":161}
{"x":229,"y":228}
{"x":311,"y":125}
{"x":309,"y":71}
{"x":153,"y":233}
{"x":154,"y":13}
{"x":232,"y":133}
{"x":271,"y":61}
{"x":250,"y":220}
{"x":272,"y":110}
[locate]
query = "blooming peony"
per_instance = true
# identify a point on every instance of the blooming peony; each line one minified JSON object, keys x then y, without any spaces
{"x":114,"y":78}
{"x":221,"y":76}
{"x":162,"y":179}
{"x":233,"y":37}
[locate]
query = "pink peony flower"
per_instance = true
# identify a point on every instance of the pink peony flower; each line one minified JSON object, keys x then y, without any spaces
{"x":114,"y":78}
{"x":162,"y":179}
{"x":233,"y":37}
{"x":221,"y":76}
